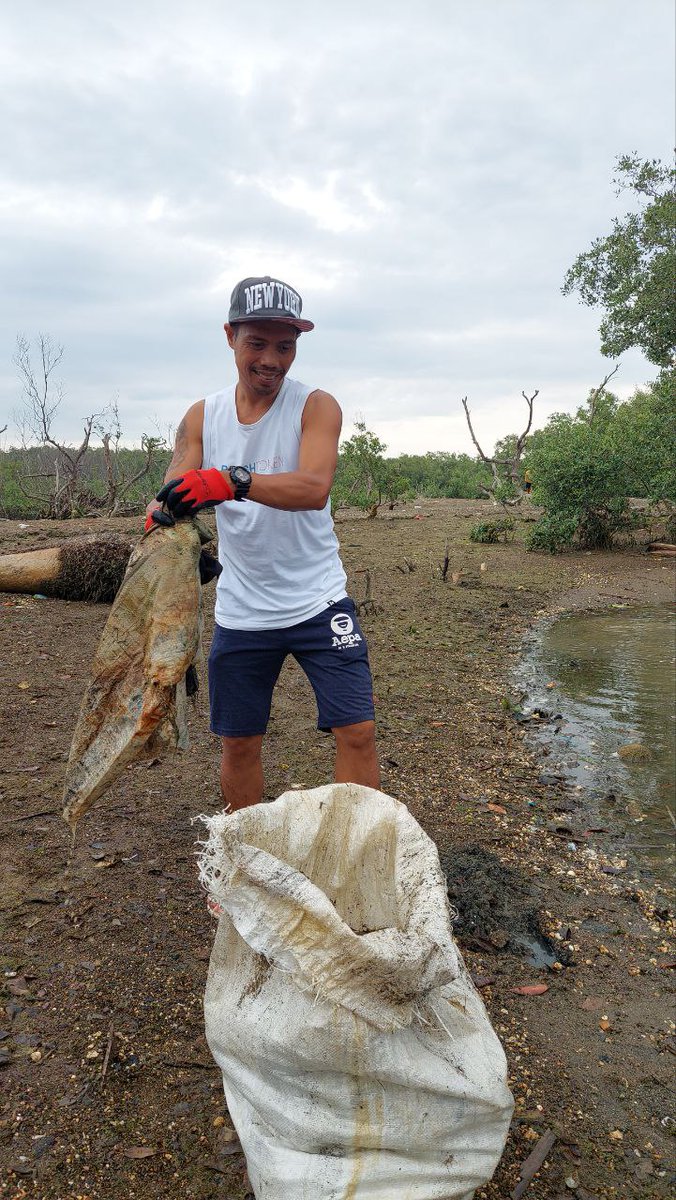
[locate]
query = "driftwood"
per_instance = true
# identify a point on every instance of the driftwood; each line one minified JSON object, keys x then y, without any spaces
{"x":533,"y":1163}
{"x":80,"y":569}
{"x":665,"y":549}
{"x":30,"y":571}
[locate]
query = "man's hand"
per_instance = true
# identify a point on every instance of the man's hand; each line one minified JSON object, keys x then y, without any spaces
{"x":155,"y":515}
{"x":195,"y":490}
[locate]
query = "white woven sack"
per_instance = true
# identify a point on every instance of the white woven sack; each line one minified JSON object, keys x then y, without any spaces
{"x":358,"y":1060}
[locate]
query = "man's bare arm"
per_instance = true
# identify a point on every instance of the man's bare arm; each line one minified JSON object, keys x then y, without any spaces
{"x":308,"y":487}
{"x":187,"y":454}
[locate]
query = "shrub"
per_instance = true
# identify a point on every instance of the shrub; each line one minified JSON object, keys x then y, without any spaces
{"x":579,"y":477}
{"x":553,"y":533}
{"x":490,"y":532}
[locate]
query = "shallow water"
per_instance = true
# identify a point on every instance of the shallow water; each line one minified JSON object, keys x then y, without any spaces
{"x":615,"y":686}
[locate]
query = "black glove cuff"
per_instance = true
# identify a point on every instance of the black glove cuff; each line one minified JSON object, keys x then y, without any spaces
{"x":210,"y":568}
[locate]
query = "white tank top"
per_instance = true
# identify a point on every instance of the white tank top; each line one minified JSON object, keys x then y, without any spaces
{"x":279,"y":568}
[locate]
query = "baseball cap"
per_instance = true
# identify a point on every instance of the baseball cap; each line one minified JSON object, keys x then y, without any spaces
{"x":262,"y":298}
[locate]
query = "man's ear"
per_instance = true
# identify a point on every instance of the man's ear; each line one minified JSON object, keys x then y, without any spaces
{"x":231,"y":334}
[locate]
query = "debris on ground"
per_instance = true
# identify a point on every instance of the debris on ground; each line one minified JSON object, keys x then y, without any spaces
{"x":128,"y":944}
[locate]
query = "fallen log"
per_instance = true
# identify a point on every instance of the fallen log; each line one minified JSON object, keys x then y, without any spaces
{"x":662,"y":549}
{"x":80,"y":569}
{"x":30,"y":571}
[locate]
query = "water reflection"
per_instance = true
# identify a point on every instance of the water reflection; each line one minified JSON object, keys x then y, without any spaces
{"x":615,"y":685}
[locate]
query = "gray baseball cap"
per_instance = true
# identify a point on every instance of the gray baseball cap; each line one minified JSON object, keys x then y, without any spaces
{"x":264,"y":299}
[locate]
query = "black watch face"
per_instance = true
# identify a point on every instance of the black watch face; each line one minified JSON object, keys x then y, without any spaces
{"x":240,"y":475}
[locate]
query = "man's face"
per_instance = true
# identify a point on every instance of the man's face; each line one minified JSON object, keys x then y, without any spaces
{"x":264,"y":351}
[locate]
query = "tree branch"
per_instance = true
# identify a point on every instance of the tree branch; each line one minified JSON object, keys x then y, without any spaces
{"x":521,"y":441}
{"x":152,"y":445}
{"x":472,"y":433}
{"x":598,"y":392}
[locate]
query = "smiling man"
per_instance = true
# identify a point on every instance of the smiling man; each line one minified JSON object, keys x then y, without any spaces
{"x":264,"y":453}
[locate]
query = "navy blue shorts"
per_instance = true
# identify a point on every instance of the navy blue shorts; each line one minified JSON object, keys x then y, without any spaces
{"x":244,"y":666}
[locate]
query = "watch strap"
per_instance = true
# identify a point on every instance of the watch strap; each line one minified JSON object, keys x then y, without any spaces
{"x":241,"y":489}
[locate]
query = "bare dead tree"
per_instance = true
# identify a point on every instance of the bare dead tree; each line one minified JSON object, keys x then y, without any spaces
{"x":42,"y":396}
{"x":67,"y":494}
{"x":598,"y":391}
{"x":505,"y":469}
{"x":42,"y":400}
{"x":118,"y":484}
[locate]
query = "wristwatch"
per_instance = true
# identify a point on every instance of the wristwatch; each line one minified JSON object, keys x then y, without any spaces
{"x":241,"y":481}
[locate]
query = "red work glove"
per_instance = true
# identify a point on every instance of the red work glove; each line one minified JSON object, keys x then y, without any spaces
{"x":157,"y":517}
{"x":195,"y":490}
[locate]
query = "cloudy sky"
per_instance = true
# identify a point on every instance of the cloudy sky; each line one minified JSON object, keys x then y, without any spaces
{"x":422,"y":173}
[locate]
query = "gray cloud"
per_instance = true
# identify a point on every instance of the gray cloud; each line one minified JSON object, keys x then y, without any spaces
{"x":423,"y":176}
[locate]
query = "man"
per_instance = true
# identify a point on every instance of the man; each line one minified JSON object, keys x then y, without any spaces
{"x":264,"y":453}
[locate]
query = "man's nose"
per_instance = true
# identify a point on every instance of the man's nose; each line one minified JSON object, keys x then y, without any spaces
{"x":270,"y":358}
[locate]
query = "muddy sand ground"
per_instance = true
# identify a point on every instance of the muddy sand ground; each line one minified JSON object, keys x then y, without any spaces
{"x":108,"y":1089}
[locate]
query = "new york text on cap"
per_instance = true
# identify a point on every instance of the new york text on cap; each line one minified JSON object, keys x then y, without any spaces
{"x":265,"y":299}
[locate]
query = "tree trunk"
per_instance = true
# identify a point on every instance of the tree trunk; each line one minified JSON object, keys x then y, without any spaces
{"x":30,"y":570}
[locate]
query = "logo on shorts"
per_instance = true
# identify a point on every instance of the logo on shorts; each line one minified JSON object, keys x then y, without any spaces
{"x":343,"y":629}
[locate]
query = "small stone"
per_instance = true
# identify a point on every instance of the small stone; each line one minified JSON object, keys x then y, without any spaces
{"x":41,"y":1144}
{"x":633,"y":752}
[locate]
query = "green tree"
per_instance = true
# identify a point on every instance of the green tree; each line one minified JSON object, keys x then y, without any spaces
{"x":440,"y":473}
{"x":364,"y":477}
{"x":586,"y":467}
{"x":579,"y":480}
{"x":644,"y":431}
{"x":630,"y":273}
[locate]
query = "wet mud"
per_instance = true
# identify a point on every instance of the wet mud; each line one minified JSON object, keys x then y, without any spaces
{"x":108,"y":1088}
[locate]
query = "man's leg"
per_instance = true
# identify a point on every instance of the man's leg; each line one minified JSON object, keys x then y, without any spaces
{"x":241,"y":771}
{"x":244,"y":666}
{"x":331,"y":649}
{"x":356,"y":757}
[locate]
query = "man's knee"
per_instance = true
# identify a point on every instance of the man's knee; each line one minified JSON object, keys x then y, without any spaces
{"x":241,"y":752}
{"x":356,"y":739}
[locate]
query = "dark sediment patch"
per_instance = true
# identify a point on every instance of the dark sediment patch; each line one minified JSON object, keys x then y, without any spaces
{"x":495,"y":905}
